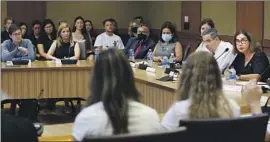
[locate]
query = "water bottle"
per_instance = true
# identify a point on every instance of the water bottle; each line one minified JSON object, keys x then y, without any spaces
{"x":96,"y":53}
{"x":165,"y":63}
{"x":150,"y":58}
{"x":172,"y":58}
{"x":131,"y":55}
{"x":232,"y":77}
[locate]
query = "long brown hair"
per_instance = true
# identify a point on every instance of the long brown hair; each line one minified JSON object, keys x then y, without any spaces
{"x":201,"y":83}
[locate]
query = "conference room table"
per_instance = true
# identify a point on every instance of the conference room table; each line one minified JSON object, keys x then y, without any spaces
{"x":46,"y":79}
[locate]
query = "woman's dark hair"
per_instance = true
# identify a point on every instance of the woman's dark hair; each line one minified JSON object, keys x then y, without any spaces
{"x":24,"y":24}
{"x":251,"y":40}
{"x":88,"y":44}
{"x":172,"y":28}
{"x":112,"y":83}
{"x":36,"y":22}
{"x":43,"y":33}
{"x":13,"y":28}
{"x":207,"y":21}
{"x":90,"y":24}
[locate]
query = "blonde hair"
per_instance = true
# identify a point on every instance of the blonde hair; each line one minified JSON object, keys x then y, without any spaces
{"x":59,"y":39}
{"x":201,"y":83}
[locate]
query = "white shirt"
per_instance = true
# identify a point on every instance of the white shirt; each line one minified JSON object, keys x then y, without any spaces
{"x":180,"y":111}
{"x":202,"y":47}
{"x":225,"y":60}
{"x":107,"y":41}
{"x":93,"y":120}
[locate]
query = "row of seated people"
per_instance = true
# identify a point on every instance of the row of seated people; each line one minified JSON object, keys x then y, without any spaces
{"x":243,"y":55}
{"x":114,"y":104}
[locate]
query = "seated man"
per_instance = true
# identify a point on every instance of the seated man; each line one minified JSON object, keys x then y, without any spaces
{"x":140,"y":44}
{"x":108,"y":39}
{"x":223,"y":51}
{"x":17,"y":48}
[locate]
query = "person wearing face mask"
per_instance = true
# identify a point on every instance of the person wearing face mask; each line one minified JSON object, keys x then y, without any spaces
{"x":132,"y":30}
{"x":168,"y":44}
{"x":140,"y":44}
{"x":206,"y":24}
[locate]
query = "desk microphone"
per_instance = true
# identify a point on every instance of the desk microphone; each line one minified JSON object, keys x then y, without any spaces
{"x":227,"y":49}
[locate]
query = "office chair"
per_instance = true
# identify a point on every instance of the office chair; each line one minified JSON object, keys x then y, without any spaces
{"x":155,"y":137}
{"x":241,"y":129}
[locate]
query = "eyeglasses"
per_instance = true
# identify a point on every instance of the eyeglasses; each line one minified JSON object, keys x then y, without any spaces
{"x":17,"y":34}
{"x":244,"y":41}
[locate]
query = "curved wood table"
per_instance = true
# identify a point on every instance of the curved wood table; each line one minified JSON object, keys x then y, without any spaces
{"x":71,"y":81}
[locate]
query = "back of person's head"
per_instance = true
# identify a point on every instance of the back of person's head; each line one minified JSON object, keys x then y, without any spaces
{"x":201,"y":83}
{"x":168,"y":26}
{"x":113,"y":84}
{"x":13,"y":28}
{"x":46,"y":22}
{"x":16,"y":129}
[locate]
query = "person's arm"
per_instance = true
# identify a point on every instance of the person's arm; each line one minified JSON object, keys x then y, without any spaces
{"x":31,"y":52}
{"x":6,"y":55}
{"x":41,"y":50}
{"x":98,"y":43}
{"x":247,"y":77}
{"x":121,"y":45}
{"x":155,"y":57}
{"x":76,"y":52}
{"x":170,"y":120}
{"x":178,"y":52}
{"x":51,"y":52}
{"x":259,"y":65}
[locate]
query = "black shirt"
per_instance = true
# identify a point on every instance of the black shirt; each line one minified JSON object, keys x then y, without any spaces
{"x":46,"y":41}
{"x":4,"y":36}
{"x":65,"y":50}
{"x":34,"y":40}
{"x":257,"y":65}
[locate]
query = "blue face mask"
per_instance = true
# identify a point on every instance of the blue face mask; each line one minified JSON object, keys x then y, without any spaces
{"x":166,"y":37}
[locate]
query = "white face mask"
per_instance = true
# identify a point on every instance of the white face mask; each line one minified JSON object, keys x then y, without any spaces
{"x":166,"y":37}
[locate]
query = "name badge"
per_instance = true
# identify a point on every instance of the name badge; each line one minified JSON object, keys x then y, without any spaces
{"x":149,"y":69}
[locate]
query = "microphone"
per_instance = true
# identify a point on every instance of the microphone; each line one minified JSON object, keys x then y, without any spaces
{"x":226,"y":50}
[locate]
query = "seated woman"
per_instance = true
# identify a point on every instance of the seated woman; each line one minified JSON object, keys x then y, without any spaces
{"x":64,"y":46}
{"x":82,"y":37}
{"x":206,"y":24}
{"x":17,"y":48}
{"x":200,"y":93}
{"x":90,"y":29}
{"x":47,"y":36}
{"x":24,"y":29}
{"x":168,"y":44}
{"x":249,"y":63}
{"x":113,"y":106}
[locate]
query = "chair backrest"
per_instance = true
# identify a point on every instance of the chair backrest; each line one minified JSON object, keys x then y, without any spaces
{"x":186,"y":50}
{"x":160,"y":137}
{"x":242,"y":129}
{"x":82,"y":50}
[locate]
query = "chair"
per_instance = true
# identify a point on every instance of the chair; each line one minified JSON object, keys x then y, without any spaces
{"x":186,"y":50}
{"x":160,"y":137}
{"x":242,"y":129}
